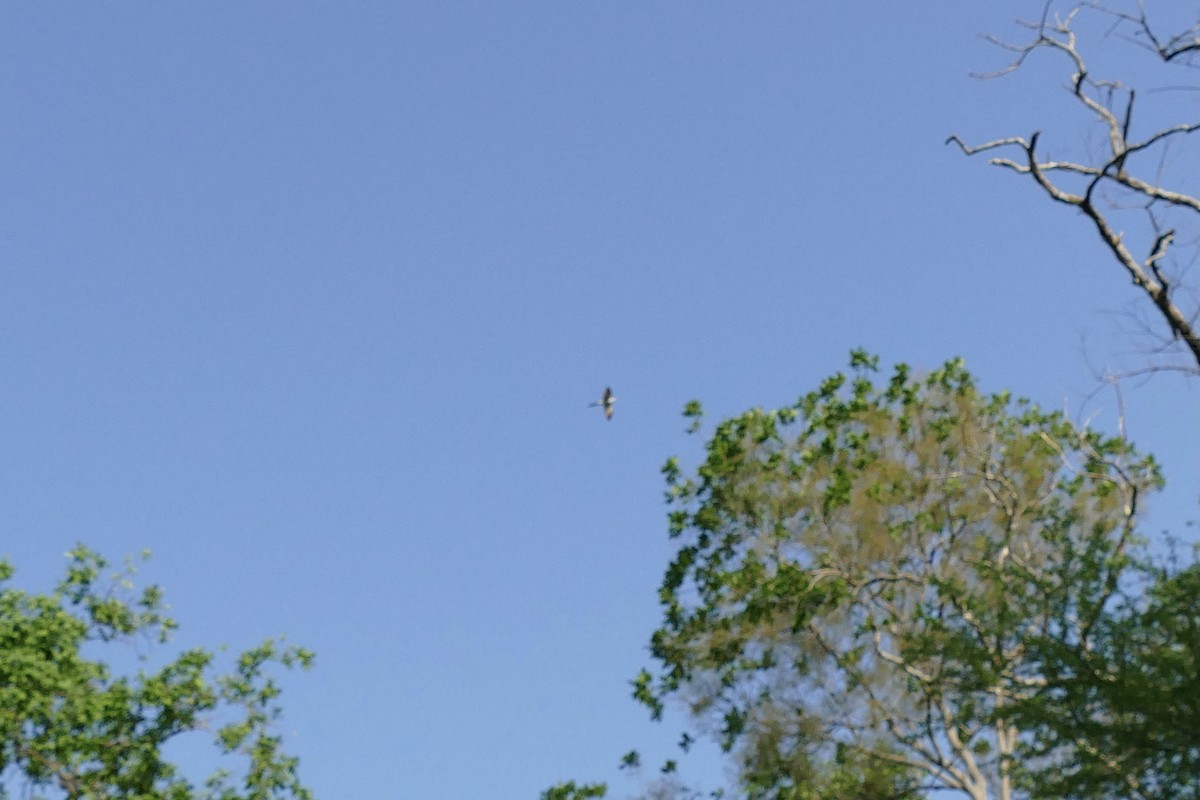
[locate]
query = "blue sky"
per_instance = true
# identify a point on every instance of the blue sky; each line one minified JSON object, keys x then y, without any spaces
{"x":310,"y":299}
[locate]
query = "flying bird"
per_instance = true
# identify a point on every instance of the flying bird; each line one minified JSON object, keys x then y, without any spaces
{"x":606,"y":402}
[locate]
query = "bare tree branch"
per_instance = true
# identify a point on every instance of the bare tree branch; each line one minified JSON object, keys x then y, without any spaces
{"x":1101,"y":98}
{"x":1180,"y":44}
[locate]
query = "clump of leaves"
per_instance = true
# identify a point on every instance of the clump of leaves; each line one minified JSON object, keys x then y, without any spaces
{"x":70,"y":725}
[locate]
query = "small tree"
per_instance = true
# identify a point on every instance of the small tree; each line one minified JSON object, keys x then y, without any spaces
{"x":868,"y":583}
{"x":70,"y":727}
{"x":1129,"y":173}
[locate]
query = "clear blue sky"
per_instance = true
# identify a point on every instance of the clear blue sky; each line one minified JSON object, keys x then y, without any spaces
{"x":310,"y":299}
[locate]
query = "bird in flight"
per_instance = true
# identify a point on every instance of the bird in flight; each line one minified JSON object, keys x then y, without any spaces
{"x":606,"y":402}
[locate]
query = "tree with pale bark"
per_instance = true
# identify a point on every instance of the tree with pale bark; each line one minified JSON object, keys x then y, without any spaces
{"x":868,"y":583}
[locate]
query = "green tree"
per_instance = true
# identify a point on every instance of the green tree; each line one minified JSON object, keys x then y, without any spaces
{"x":70,"y":727}
{"x":870,"y":583}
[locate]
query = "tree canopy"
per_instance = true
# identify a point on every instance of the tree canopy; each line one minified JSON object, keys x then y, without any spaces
{"x":72,"y":726}
{"x":866,"y":580}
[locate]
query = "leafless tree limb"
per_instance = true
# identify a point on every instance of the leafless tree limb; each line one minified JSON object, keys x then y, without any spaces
{"x":1180,"y":44}
{"x":1111,"y":104}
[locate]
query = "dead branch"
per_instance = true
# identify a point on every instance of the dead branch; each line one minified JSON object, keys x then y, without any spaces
{"x":1181,"y":44}
{"x":1101,"y":99}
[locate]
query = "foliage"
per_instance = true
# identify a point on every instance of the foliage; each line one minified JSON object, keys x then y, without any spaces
{"x":71,"y":727}
{"x":868,"y":582}
{"x":570,"y":791}
{"x":1122,"y":718}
